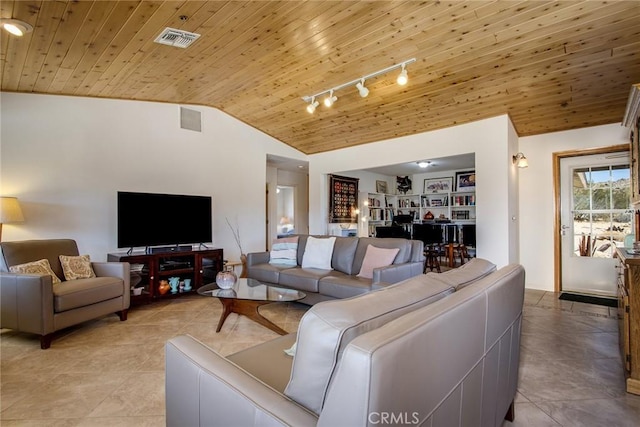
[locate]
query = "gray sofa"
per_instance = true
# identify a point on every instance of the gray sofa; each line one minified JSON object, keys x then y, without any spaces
{"x":342,"y":281}
{"x":437,"y":350}
{"x":33,"y":303}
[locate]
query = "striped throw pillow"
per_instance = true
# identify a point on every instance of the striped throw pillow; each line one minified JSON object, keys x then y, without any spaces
{"x":284,"y":251}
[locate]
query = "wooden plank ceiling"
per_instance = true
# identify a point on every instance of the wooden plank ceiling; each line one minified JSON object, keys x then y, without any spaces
{"x":550,"y":65}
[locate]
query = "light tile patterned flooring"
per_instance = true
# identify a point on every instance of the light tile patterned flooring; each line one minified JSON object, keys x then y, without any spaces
{"x":111,"y":373}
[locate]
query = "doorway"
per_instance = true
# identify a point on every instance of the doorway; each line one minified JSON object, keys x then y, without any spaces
{"x":593,"y":218}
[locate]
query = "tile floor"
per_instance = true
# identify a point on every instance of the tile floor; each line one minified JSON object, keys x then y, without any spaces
{"x":111,"y":373}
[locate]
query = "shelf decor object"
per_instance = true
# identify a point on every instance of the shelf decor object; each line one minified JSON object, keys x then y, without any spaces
{"x":438,"y":185}
{"x":225,"y":279}
{"x":343,"y":199}
{"x":465,"y":181}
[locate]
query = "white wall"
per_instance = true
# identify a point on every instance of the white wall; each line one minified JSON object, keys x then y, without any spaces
{"x":488,"y":139}
{"x":65,"y":158}
{"x":536,"y":193}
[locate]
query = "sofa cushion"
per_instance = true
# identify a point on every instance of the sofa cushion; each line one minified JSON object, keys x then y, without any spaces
{"x":404,"y":255}
{"x":318,"y":253}
{"x":284,"y":251}
{"x":267,"y":361}
{"x":83,"y":292}
{"x":76,"y":267}
{"x":304,"y":279}
{"x":376,"y":257}
{"x":40,"y":267}
{"x":329,"y":326}
{"x":340,"y":285}
{"x":344,"y":251}
{"x":20,"y":252}
{"x":466,"y":274}
{"x":267,"y":273}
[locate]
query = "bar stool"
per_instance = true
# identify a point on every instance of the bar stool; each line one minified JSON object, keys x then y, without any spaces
{"x":431,"y":254}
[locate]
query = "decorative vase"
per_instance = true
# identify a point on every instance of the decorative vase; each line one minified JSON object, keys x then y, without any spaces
{"x":174,"y":282}
{"x":163,"y":287}
{"x":226,"y":279}
{"x":187,"y":285}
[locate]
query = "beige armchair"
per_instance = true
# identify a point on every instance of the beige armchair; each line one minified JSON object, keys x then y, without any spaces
{"x":33,"y":303}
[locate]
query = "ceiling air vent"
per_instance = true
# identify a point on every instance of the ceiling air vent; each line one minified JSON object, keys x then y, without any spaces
{"x":177,"y":38}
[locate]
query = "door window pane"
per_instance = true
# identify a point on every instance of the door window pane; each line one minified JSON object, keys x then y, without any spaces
{"x":601,"y":218}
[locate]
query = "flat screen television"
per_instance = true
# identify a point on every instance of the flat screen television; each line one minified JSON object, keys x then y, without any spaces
{"x":150,"y":219}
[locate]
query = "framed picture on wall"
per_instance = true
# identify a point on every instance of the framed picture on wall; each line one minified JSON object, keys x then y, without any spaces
{"x":381,"y":187}
{"x":438,"y":185}
{"x":343,"y":199}
{"x":466,"y":181}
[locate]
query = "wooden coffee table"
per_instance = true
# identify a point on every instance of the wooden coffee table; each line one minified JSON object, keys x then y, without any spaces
{"x":246,"y":296}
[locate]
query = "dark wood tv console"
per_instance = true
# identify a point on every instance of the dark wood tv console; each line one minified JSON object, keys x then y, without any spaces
{"x":148,"y":269}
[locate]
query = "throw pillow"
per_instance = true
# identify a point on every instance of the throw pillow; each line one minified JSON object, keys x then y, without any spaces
{"x":76,"y":267}
{"x":318,"y":253}
{"x":284,"y":251}
{"x":40,"y":267}
{"x":376,"y":257}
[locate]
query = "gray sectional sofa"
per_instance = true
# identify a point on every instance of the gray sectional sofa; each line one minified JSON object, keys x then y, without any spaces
{"x":435,"y":349}
{"x":342,"y":281}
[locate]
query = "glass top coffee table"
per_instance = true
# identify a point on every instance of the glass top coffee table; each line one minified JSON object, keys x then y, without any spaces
{"x":246,"y":296}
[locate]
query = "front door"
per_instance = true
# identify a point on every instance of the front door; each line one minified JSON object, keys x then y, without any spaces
{"x":595,"y":218}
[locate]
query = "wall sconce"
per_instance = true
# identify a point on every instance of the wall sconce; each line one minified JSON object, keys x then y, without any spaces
{"x":520,"y":160}
{"x":9,"y":212}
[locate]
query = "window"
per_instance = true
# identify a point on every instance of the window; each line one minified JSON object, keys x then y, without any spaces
{"x":601,"y":215}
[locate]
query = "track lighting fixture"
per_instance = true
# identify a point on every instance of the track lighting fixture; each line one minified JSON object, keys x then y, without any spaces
{"x":16,"y":27}
{"x":361,"y":89}
{"x":402,"y":77}
{"x":359,"y":84}
{"x":329,"y":100}
{"x":312,"y":105}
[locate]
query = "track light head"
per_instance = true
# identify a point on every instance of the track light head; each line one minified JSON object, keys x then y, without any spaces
{"x":361,"y":89}
{"x":312,"y":105}
{"x":329,"y":100}
{"x":403,"y":78}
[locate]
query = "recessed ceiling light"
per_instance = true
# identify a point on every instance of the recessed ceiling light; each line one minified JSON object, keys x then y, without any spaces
{"x":16,"y":27}
{"x":424,"y":164}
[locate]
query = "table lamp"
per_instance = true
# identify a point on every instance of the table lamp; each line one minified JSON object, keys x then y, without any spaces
{"x":9,"y":212}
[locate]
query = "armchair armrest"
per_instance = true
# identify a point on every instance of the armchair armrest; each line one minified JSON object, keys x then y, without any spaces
{"x":26,"y":303}
{"x":204,"y":388}
{"x":257,"y":258}
{"x":120,"y":270}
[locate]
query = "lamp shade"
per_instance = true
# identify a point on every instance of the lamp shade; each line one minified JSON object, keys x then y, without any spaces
{"x":10,"y":210}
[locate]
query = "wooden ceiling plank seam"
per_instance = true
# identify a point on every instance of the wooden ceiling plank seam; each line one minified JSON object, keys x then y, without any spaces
{"x":201,"y":66}
{"x":108,"y":28}
{"x":229,"y":16}
{"x":16,"y":56}
{"x":571,"y":12}
{"x":123,"y":35}
{"x":147,"y":51}
{"x":627,"y":28}
{"x":6,"y":12}
{"x":134,"y":49}
{"x":491,"y":37}
{"x":318,"y":71}
{"x":65,"y":34}
{"x":81,"y":44}
{"x":48,"y":21}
